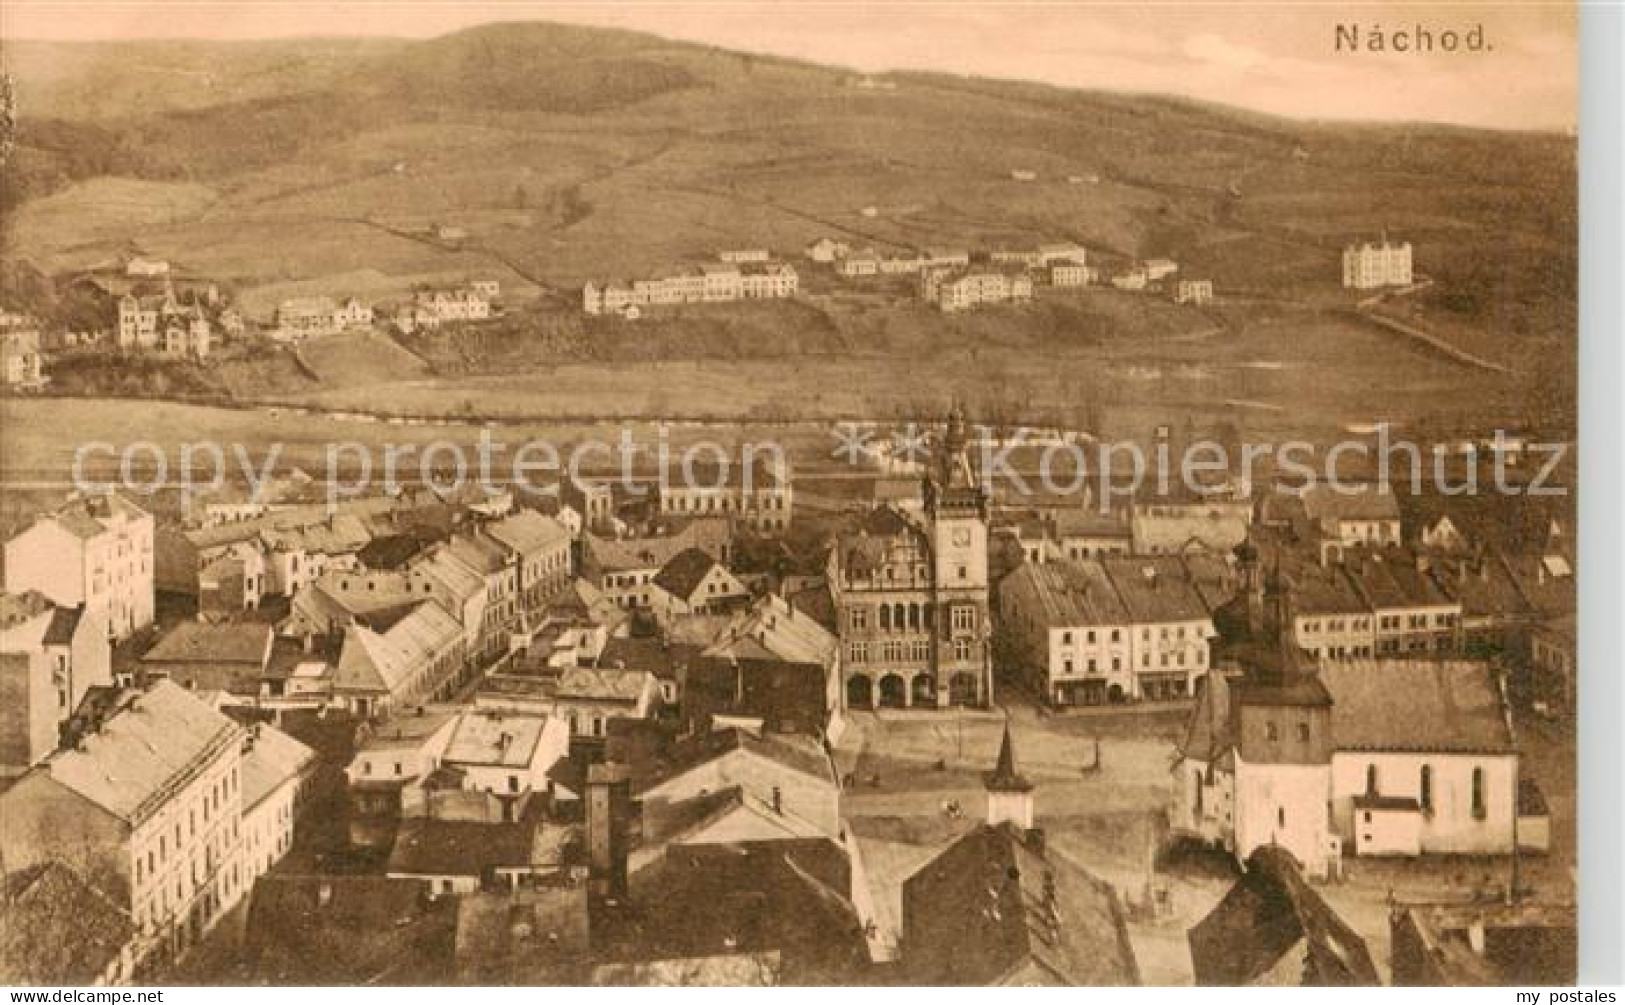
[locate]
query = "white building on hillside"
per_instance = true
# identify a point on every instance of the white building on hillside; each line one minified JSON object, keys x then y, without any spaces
{"x":1371,"y":265}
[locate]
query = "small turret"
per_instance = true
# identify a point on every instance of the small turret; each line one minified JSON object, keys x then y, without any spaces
{"x":1009,"y":795}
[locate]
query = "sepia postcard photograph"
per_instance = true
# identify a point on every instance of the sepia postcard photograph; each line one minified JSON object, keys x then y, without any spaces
{"x":789,"y":492}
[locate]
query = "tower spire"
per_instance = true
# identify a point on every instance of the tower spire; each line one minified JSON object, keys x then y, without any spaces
{"x":1005,"y":777}
{"x":1009,"y":795}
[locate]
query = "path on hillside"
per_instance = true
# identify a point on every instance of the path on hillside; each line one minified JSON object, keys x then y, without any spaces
{"x":1367,"y":309}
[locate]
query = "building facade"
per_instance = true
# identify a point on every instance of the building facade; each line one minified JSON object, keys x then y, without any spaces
{"x":96,"y":551}
{"x":1373,"y":265}
{"x":912,"y":597}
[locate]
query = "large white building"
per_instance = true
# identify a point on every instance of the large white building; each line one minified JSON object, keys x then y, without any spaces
{"x":145,"y":800}
{"x":756,"y":490}
{"x":1371,"y":265}
{"x":971,"y":289}
{"x":1070,"y":631}
{"x":97,"y":551}
{"x":712,"y":282}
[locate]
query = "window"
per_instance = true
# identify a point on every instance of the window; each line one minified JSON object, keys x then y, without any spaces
{"x":1271,"y":733}
{"x":1426,"y":786}
{"x":1479,"y":809}
{"x":1066,"y":638}
{"x":1370,"y":779}
{"x":858,"y":652}
{"x":1303,"y":732}
{"x":964,"y":619}
{"x":962,"y":650}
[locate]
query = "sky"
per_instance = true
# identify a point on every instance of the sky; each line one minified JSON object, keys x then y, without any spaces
{"x":1275,"y":56}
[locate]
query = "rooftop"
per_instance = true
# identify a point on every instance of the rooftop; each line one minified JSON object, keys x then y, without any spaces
{"x":203,"y":642}
{"x":495,"y":739}
{"x":1452,"y":706}
{"x":55,"y":928}
{"x":148,"y":743}
{"x":271,"y":759}
{"x":684,"y":572}
{"x":995,"y":903}
{"x":427,"y":847}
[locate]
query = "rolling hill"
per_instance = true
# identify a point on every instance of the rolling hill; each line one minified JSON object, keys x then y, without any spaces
{"x":571,"y":153}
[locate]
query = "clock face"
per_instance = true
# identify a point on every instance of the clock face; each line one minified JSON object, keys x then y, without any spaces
{"x":961,"y":536}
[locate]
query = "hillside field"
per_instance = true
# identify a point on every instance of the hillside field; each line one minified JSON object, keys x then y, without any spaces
{"x":570,"y":154}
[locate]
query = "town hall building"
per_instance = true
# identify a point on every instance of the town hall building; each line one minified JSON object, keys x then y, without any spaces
{"x":911,"y":593}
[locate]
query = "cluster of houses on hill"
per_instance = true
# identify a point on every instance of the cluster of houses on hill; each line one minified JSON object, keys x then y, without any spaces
{"x":737,"y":274}
{"x":158,"y":308}
{"x":952,"y":279}
{"x":955,"y":279}
{"x":305,"y":317}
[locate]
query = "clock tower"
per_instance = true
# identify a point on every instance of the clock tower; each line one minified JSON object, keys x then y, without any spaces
{"x":957,"y":517}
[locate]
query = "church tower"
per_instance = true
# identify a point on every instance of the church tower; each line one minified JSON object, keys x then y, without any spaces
{"x":957,"y":511}
{"x":1009,"y":795}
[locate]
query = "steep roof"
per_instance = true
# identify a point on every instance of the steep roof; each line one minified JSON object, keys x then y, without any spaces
{"x":1207,"y":732}
{"x":784,"y":896}
{"x":479,"y":552}
{"x":1329,"y":504}
{"x":612,"y":554}
{"x":383,"y":661}
{"x":451,"y":575}
{"x":430,"y":847}
{"x":26,"y":620}
{"x":345,"y":930}
{"x":795,"y":752}
{"x":147,"y":743}
{"x":55,"y":928}
{"x":1154,"y":589}
{"x":1417,"y":705}
{"x":1071,"y":593}
{"x":64,"y":625}
{"x":202,"y":642}
{"x":343,"y":534}
{"x":774,"y":629}
{"x":1268,"y":912}
{"x":1005,"y":777}
{"x":86,"y":516}
{"x":684,"y":572}
{"x":528,"y":532}
{"x":995,"y":901}
{"x":273,"y":760}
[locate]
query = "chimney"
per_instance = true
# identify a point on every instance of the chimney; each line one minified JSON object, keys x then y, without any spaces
{"x":778,"y":800}
{"x":609,"y":812}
